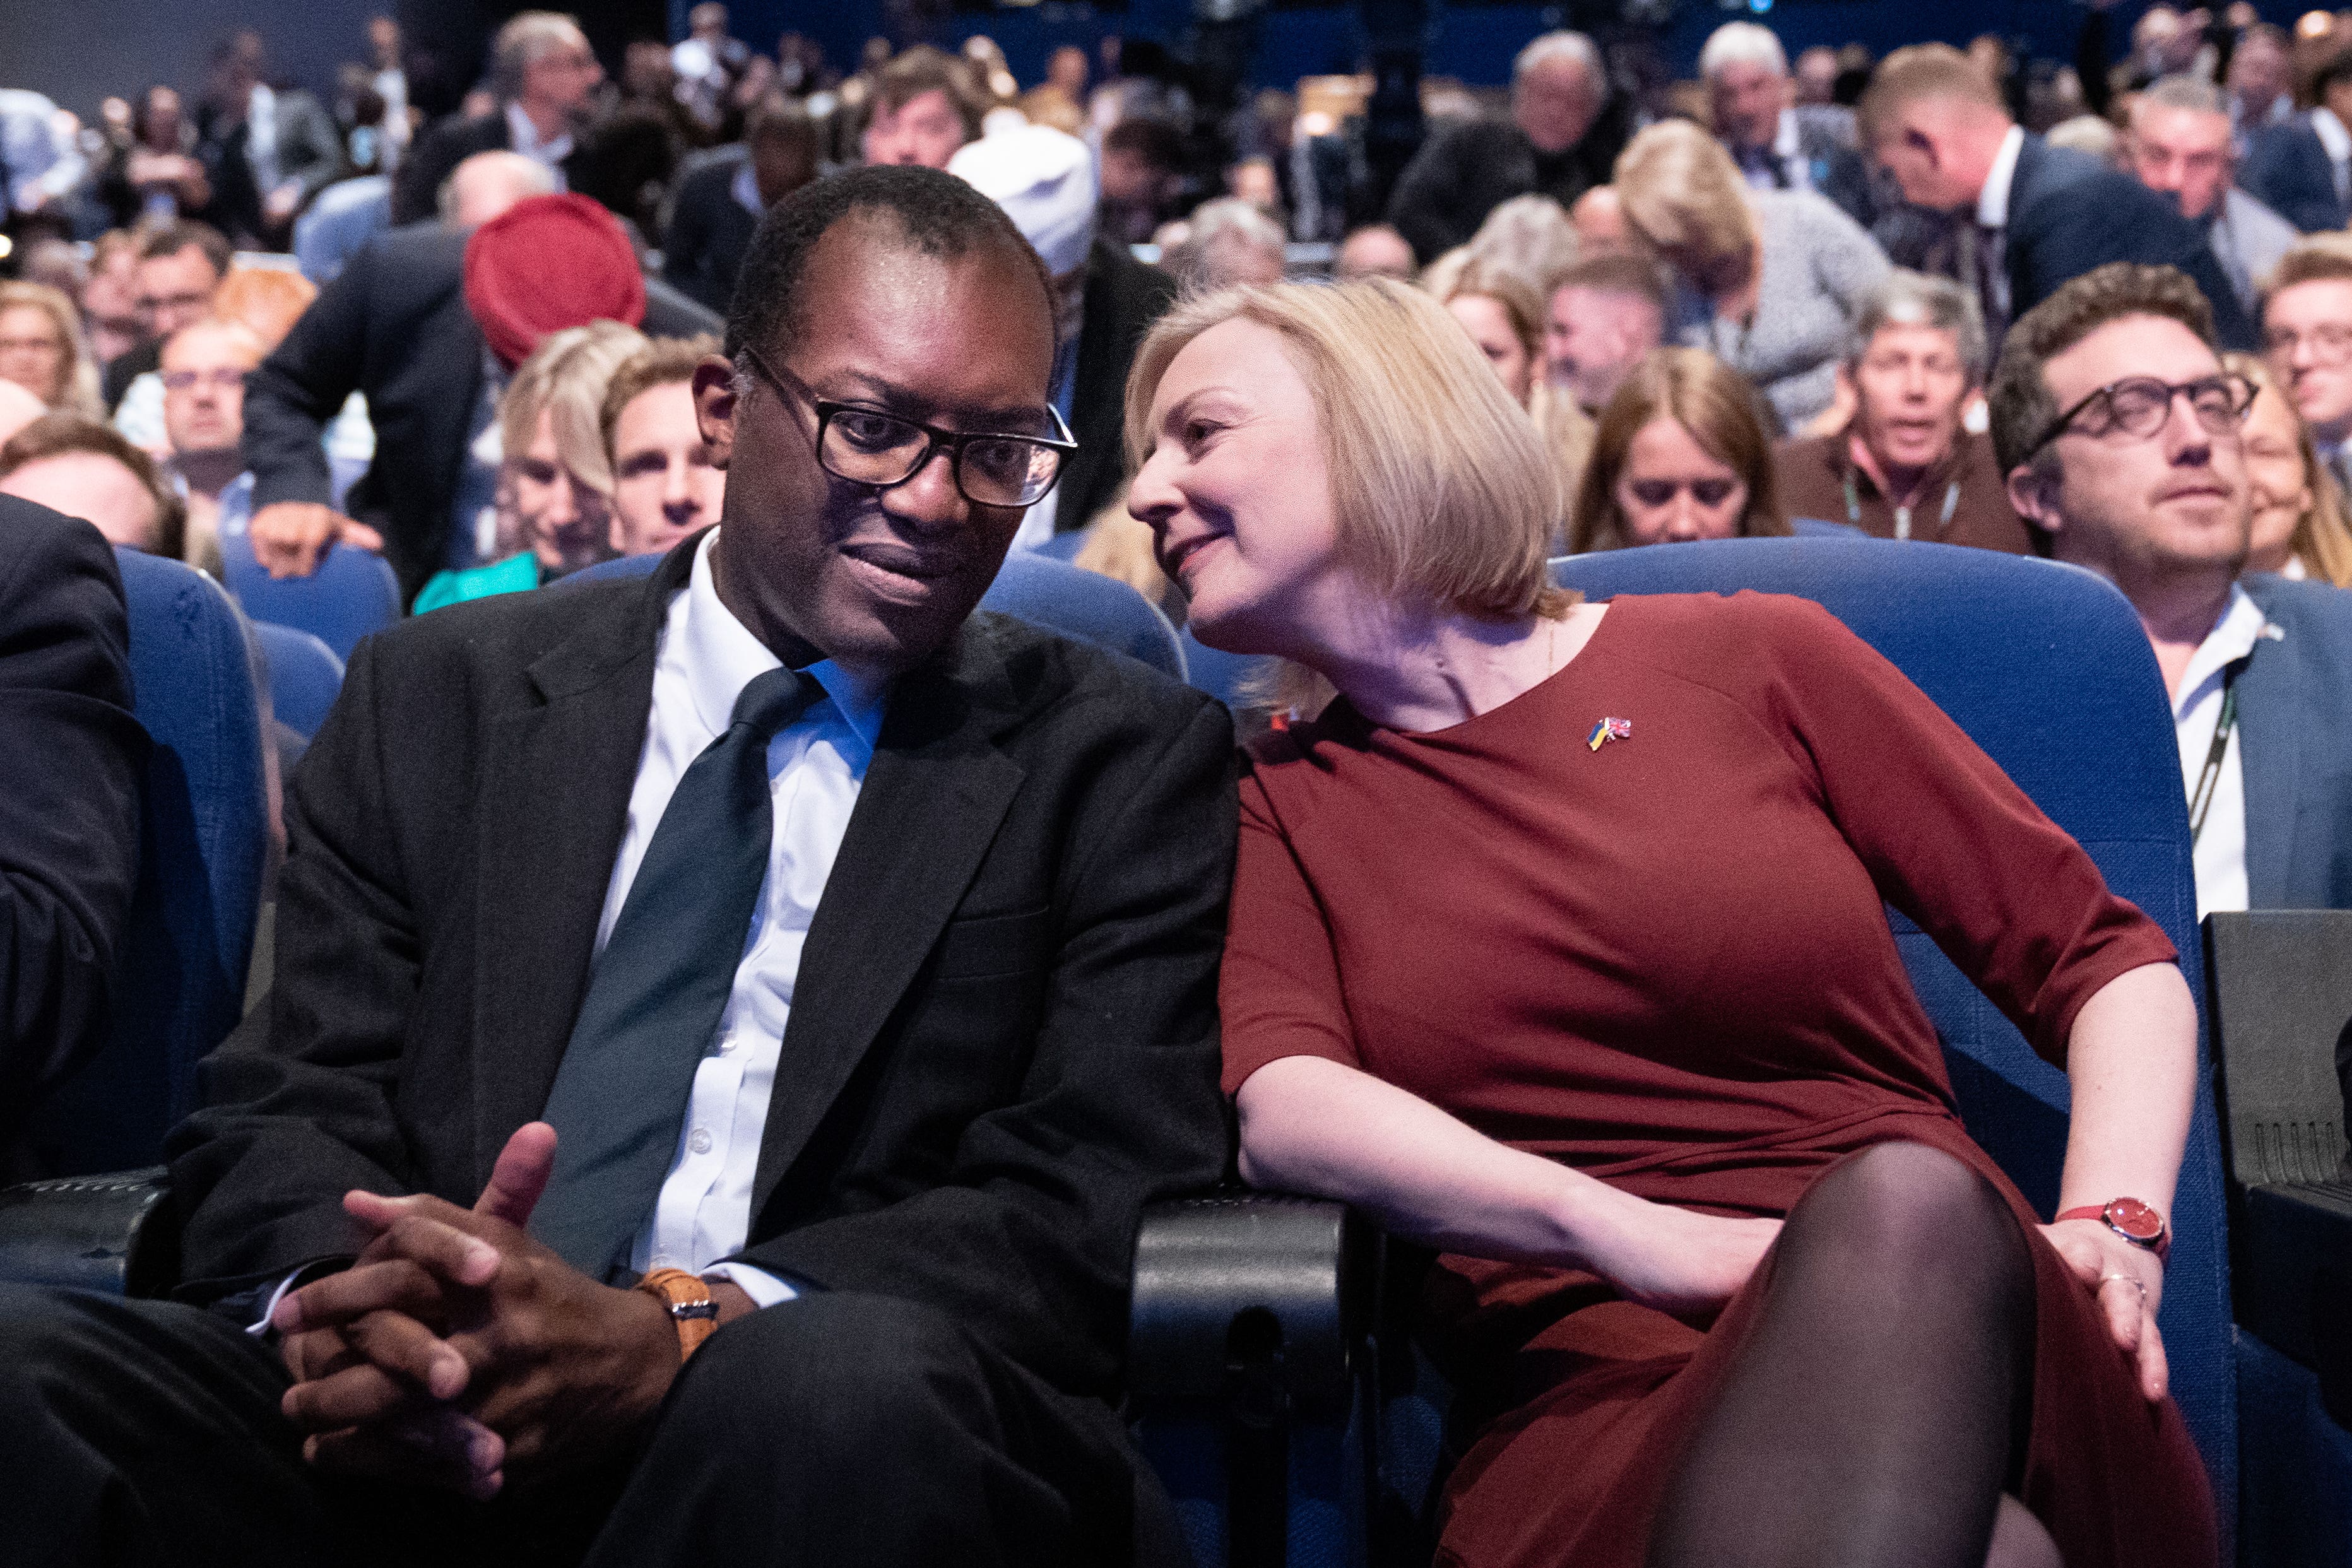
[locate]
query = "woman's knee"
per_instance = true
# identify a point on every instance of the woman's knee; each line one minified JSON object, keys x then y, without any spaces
{"x":1918,"y":1212}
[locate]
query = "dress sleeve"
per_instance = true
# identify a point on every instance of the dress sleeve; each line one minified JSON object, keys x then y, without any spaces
{"x":1279,"y":989}
{"x":1950,"y":841}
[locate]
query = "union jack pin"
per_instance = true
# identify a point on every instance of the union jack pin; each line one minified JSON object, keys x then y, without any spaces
{"x":1610,"y":729}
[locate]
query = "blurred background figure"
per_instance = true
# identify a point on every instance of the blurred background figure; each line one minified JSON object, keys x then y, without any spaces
{"x":722,"y":193}
{"x":1226,"y":241}
{"x":2179,"y":145}
{"x":40,"y":164}
{"x":544,"y":77}
{"x":1605,"y":315}
{"x":665,"y":486}
{"x":2299,"y":526}
{"x":2261,"y":82}
{"x":1779,"y":145}
{"x":924,"y":109}
{"x":42,"y":348}
{"x":109,"y":300}
{"x":1598,"y":216}
{"x":1142,"y":178}
{"x":707,"y":62}
{"x":266,"y":151}
{"x":203,"y":371}
{"x":85,"y":470}
{"x":1682,"y":453}
{"x":1375,"y":250}
{"x":2301,"y":166}
{"x":153,"y":175}
{"x":1505,"y":318}
{"x":1814,"y":81}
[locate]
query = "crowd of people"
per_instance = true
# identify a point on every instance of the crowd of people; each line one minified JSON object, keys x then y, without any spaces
{"x":502,"y":333}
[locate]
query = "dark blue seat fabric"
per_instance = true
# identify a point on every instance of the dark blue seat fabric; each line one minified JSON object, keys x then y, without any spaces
{"x":203,"y":840}
{"x":1043,"y":591}
{"x":304,"y":676}
{"x":353,"y":593}
{"x":2048,"y":670}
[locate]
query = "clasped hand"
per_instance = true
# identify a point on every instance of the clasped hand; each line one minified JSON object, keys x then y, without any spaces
{"x":458,"y":1348}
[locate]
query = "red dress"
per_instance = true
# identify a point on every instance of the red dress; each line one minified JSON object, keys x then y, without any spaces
{"x":1665,"y":960}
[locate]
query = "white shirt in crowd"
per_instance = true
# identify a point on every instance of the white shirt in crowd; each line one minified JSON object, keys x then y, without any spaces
{"x":2220,"y":854}
{"x":1992,"y":209}
{"x":523,"y":136}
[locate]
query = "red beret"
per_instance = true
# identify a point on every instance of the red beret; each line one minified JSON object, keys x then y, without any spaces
{"x":547,"y":263}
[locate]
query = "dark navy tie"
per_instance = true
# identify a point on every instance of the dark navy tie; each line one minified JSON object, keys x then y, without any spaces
{"x":661,"y":986}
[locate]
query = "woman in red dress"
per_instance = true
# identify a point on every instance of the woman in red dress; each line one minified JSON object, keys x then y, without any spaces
{"x":1557,"y":944}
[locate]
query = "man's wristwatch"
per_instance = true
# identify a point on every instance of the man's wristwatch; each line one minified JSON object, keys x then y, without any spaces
{"x":687,"y":1301}
{"x":2133,"y":1221}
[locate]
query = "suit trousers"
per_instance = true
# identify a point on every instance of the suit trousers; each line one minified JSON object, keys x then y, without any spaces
{"x":833,"y":1429}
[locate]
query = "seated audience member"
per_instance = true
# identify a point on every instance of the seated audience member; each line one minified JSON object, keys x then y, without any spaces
{"x":1607,"y":313}
{"x":69,"y":816}
{"x":553,"y":513}
{"x":1504,"y":317}
{"x":720,"y":194}
{"x":486,"y":184}
{"x":2179,"y":145}
{"x":2093,"y":135}
{"x":2261,"y":82}
{"x":2308,"y":337}
{"x":109,"y":300}
{"x":204,"y":367}
{"x":924,"y":109}
{"x":665,"y":484}
{"x":1598,"y":216}
{"x":2302,"y":166}
{"x":88,"y":470}
{"x":1566,"y":128}
{"x":1375,"y":250}
{"x":2123,"y":437}
{"x":1528,"y":235}
{"x":1778,"y":144}
{"x":2031,"y":215}
{"x":1681,"y":452}
{"x":428,"y":322}
{"x":179,"y":265}
{"x":1506,"y":968}
{"x":1226,"y":241}
{"x":41,"y":349}
{"x":266,"y":150}
{"x":1903,"y":467}
{"x":1142,"y":174}
{"x":2299,"y":527}
{"x":1104,"y":302}
{"x":1770,"y":282}
{"x":992,"y":916}
{"x":543,"y":78}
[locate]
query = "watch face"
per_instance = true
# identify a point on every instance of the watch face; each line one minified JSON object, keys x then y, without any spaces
{"x":2136,"y":1219}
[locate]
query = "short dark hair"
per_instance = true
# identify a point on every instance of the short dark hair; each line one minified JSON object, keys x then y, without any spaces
{"x":933,"y":212}
{"x":923,"y":69}
{"x":175,"y":238}
{"x":2021,"y":403}
{"x":1612,"y":272}
{"x":1155,"y":142}
{"x":59,"y":434}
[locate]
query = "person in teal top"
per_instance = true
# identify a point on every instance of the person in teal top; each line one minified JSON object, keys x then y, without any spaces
{"x":555,"y":484}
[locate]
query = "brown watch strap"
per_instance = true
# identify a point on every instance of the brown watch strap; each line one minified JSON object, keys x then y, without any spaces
{"x":687,"y":1301}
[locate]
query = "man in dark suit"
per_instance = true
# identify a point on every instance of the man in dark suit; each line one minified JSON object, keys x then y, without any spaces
{"x":266,"y":151}
{"x":394,"y":325}
{"x":543,"y":73}
{"x":769,"y":926}
{"x":2120,"y":431}
{"x":2302,"y":167}
{"x":2029,"y":215}
{"x":722,"y":193}
{"x":1778,"y":144}
{"x":69,"y":816}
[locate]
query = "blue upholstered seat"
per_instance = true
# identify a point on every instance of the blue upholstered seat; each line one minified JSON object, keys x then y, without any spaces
{"x":304,"y":676}
{"x":353,"y":593}
{"x":203,"y":839}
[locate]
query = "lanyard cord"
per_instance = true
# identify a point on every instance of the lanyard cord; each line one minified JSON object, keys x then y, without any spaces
{"x":1902,"y":514}
{"x":2200,"y":801}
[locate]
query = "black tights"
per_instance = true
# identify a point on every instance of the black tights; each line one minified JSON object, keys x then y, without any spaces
{"x":1875,"y":1414}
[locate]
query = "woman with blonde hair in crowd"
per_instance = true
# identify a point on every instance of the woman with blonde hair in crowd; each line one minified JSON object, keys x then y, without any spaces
{"x":42,"y":348}
{"x":554,"y":512}
{"x":1559,"y":948}
{"x":2300,"y":528}
{"x":1679,"y":453}
{"x":1770,"y":282}
{"x":1504,"y":316}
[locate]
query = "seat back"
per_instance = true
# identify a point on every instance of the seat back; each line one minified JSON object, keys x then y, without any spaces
{"x":203,"y":838}
{"x":2046,"y":668}
{"x":353,"y":593}
{"x":304,"y":676}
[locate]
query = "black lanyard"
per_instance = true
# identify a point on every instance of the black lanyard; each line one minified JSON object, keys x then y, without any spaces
{"x":1902,"y":514}
{"x":2200,"y":801}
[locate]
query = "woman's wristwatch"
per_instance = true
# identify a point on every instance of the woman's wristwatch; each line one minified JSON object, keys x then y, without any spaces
{"x":687,"y":1301}
{"x":2130,"y":1218}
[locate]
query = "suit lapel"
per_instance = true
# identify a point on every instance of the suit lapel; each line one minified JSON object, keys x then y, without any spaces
{"x":555,"y":783}
{"x":2270,"y":712}
{"x":926,"y":814}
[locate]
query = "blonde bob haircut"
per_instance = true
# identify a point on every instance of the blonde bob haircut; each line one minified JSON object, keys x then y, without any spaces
{"x":1442,"y":492}
{"x":1723,"y":415}
{"x":565,"y":377}
{"x":1684,"y":197}
{"x":75,"y":390}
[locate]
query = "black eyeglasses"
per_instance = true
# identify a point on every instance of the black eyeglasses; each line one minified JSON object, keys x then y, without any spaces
{"x":865,"y":446}
{"x":2138,"y":407}
{"x":1658,"y":492}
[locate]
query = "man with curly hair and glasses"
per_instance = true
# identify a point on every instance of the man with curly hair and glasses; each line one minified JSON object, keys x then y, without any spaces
{"x":2119,"y":430}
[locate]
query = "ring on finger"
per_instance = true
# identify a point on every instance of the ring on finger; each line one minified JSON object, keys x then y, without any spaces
{"x":2128,"y":1280}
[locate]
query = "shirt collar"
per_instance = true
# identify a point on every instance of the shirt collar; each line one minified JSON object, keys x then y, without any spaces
{"x":2234,"y":636}
{"x":722,"y":657}
{"x":1992,"y":202}
{"x":524,"y":136}
{"x":2332,"y":134}
{"x":746,"y":188}
{"x":1785,"y":140}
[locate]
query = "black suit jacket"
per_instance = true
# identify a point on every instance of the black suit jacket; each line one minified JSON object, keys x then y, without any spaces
{"x":1003,"y":1038}
{"x":394,"y":325}
{"x":2069,"y":213}
{"x":2295,"y":749}
{"x":1124,"y":297}
{"x":310,"y":151}
{"x":69,"y":811}
{"x":416,"y":188}
{"x":708,"y":229}
{"x":1466,"y":170}
{"x":2288,"y":169}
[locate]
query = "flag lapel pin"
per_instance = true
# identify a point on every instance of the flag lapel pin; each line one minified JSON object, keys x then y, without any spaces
{"x":1606,"y":730}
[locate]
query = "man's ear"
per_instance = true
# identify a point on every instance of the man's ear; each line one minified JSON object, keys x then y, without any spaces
{"x":2033,"y":495}
{"x":715,"y":406}
{"x":1919,"y":142}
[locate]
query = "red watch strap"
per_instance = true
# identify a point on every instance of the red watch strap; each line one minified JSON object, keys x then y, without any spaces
{"x":2162,"y":1243}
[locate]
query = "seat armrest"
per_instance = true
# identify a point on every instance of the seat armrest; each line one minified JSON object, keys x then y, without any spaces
{"x":1248,"y":1298}
{"x":116,"y":1233}
{"x":2294,"y":1272}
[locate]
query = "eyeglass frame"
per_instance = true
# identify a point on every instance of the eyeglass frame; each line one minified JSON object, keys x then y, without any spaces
{"x":2334,"y":337}
{"x":935,"y":439}
{"x":2059,"y":426}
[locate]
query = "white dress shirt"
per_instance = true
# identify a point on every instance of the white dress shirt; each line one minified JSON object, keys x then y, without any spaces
{"x":2337,"y":142}
{"x":523,"y":136}
{"x":1992,"y":209}
{"x":2220,"y":854}
{"x":261,"y":138}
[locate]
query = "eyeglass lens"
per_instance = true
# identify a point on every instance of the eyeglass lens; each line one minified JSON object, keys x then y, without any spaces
{"x":868,"y":447}
{"x":2139,"y":407}
{"x":1706,"y":492}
